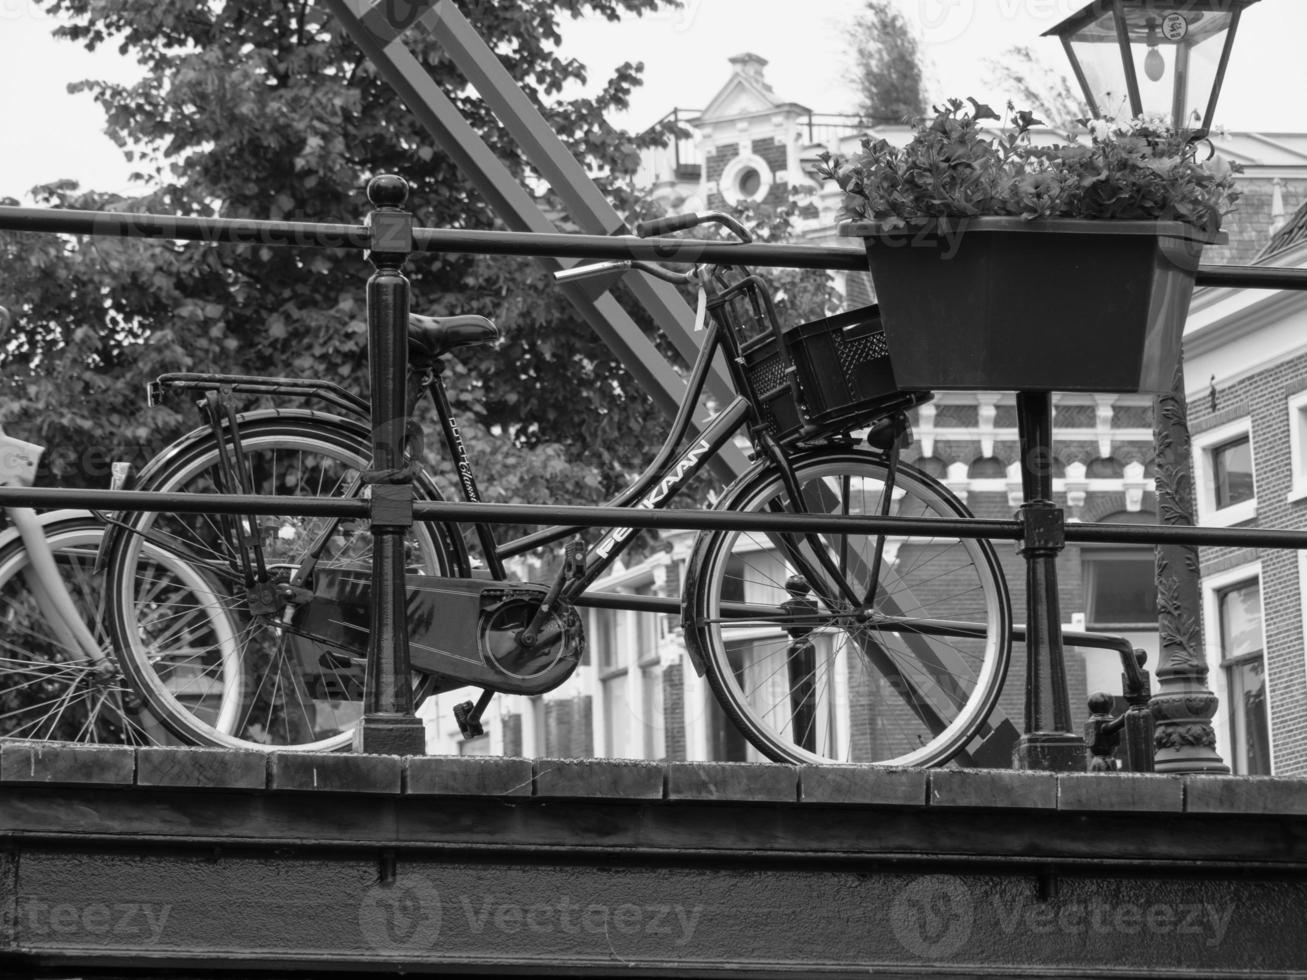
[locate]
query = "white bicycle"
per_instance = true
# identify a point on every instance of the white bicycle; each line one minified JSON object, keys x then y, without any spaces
{"x":59,"y":677}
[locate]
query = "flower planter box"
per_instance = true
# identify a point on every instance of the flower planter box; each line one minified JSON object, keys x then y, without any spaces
{"x":1006,"y":304}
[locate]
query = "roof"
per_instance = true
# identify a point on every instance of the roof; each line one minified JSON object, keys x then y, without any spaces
{"x":1292,"y":232}
{"x":745,"y":92}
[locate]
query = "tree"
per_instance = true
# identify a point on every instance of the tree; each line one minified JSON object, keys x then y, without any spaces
{"x":1031,"y":84}
{"x":269,"y":111}
{"x":888,"y":71}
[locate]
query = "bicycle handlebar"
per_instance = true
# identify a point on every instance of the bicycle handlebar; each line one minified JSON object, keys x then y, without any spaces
{"x":647,"y":229}
{"x":580,"y":272}
{"x":679,"y":222}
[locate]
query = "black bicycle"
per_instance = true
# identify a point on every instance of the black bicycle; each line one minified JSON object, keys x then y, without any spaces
{"x":852,"y":647}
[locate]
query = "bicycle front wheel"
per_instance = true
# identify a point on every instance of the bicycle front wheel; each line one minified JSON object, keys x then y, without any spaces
{"x":849,"y":648}
{"x":299,"y":691}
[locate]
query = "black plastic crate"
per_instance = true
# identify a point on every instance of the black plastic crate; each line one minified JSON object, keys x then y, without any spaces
{"x":843,"y":366}
{"x":769,"y":376}
{"x":745,"y":310}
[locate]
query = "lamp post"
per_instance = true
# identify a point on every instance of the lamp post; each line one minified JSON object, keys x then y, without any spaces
{"x":1168,"y":60}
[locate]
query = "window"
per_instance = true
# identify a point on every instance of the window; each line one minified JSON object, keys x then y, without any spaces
{"x":760,"y":671}
{"x":610,"y":656}
{"x":652,"y":722}
{"x":651,"y":683}
{"x":1298,"y":445}
{"x":1120,"y":588}
{"x":1243,"y":667}
{"x":745,"y":178}
{"x":1224,"y":488}
{"x":1232,"y":472}
{"x":631,"y":681}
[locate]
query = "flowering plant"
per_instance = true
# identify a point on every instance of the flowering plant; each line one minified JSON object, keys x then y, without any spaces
{"x":952,"y":167}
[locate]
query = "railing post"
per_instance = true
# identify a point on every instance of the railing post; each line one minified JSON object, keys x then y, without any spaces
{"x":1183,"y":706}
{"x":389,"y":725}
{"x":1048,"y":742}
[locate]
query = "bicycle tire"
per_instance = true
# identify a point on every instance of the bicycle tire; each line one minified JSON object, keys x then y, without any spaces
{"x":873,"y":688}
{"x":300,"y":695}
{"x":50,"y":688}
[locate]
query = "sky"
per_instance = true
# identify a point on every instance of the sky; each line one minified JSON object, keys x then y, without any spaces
{"x":46,"y":133}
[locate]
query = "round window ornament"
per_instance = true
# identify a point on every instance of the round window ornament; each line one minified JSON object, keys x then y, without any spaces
{"x":745,"y":178}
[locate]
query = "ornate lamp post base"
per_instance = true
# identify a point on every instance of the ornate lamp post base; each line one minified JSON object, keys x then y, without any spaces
{"x":1184,"y":739}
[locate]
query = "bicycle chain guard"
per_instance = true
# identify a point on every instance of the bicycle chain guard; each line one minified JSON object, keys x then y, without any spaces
{"x":461,"y":631}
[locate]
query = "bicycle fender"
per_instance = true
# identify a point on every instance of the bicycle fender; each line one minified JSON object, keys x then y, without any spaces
{"x":203,"y":434}
{"x":11,"y":533}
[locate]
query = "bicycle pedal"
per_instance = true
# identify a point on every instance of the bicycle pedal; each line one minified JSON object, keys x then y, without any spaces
{"x":469,"y":722}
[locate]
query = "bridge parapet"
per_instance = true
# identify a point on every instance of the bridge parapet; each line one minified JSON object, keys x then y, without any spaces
{"x":116,"y":859}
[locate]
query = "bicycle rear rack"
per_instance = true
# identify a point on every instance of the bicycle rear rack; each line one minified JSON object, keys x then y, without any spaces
{"x":326,"y":391}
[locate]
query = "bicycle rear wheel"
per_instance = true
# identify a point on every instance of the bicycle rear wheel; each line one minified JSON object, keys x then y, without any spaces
{"x":298,"y":692}
{"x":53,"y":689}
{"x":902,"y":677}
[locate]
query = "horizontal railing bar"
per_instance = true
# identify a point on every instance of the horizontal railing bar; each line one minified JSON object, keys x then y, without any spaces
{"x":1251,"y":277}
{"x":481,"y":513}
{"x":216,"y":231}
{"x":1186,"y":534}
{"x":682,"y":251}
{"x":605,"y":517}
{"x":235,"y":231}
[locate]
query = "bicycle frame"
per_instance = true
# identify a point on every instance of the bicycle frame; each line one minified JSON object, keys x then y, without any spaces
{"x":18,"y":461}
{"x":662,"y":480}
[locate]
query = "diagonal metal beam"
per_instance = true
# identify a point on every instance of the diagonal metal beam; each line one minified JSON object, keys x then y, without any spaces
{"x":584,"y":201}
{"x":378,"y":30}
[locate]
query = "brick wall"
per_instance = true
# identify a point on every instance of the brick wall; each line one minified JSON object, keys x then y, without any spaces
{"x":674,"y":711}
{"x":569,"y":728}
{"x":512,"y":728}
{"x":714,"y":165}
{"x":774,"y":154}
{"x":1264,"y":399}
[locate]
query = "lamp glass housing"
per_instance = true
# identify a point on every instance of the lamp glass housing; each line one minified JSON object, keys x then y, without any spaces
{"x":1151,"y":58}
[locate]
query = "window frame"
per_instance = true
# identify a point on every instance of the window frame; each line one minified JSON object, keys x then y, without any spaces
{"x":1088,"y":556}
{"x":1204,"y":445}
{"x":1213,"y":588}
{"x":1297,"y":408}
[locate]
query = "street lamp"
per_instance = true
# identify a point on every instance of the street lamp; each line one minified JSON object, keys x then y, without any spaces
{"x":1150,"y":57}
{"x":1163,"y":59}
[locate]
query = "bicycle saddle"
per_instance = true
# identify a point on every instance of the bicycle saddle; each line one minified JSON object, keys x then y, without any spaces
{"x":431,"y":337}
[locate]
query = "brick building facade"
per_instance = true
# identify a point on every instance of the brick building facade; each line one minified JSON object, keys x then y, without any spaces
{"x":1246,"y":369}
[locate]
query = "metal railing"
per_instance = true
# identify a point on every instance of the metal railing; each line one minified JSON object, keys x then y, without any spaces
{"x":389,"y":238}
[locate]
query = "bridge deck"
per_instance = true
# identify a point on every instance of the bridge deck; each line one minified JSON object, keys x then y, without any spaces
{"x":119,"y":860}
